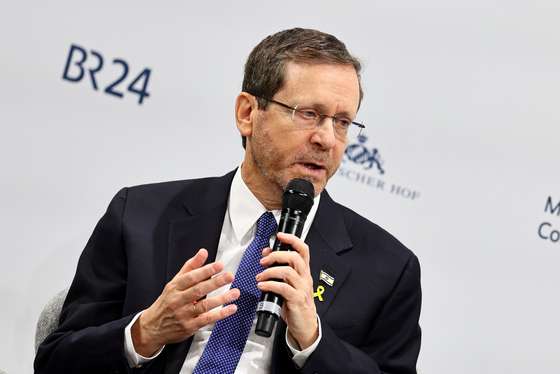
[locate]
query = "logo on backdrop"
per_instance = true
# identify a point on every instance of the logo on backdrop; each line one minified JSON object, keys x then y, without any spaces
{"x":547,"y":230}
{"x":360,"y":154}
{"x":80,"y":63}
{"x":363,"y":163}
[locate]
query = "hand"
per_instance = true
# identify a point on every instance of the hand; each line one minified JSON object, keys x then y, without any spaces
{"x":295,"y":286}
{"x":179,"y":312}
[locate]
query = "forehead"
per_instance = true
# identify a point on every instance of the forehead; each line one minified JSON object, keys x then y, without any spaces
{"x":328,"y":85}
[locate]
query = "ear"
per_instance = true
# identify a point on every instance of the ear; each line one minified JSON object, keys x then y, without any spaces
{"x":245,"y":111}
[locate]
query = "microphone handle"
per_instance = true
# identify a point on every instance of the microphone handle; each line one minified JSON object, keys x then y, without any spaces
{"x":270,"y":304}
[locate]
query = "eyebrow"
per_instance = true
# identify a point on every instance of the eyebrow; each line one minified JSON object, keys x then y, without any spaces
{"x":322,"y":108}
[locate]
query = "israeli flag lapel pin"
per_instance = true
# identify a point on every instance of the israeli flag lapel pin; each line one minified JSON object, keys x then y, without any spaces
{"x":327,"y":278}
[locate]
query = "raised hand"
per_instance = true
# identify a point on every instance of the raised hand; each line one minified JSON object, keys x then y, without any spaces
{"x":182,"y":309}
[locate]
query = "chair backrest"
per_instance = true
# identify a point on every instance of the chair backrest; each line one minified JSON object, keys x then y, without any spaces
{"x":48,"y":319}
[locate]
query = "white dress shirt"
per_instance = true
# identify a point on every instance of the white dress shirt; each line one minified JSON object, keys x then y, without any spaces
{"x":238,"y":231}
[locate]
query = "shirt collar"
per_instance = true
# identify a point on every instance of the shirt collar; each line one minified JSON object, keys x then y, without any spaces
{"x":244,"y":208}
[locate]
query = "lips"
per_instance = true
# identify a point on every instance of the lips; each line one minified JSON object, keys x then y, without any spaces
{"x":313,"y":165}
{"x":312,"y":169}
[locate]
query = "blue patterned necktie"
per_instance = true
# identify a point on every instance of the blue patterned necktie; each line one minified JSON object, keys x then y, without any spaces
{"x":229,"y":335}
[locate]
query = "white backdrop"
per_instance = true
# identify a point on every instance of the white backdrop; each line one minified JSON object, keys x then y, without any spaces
{"x":461,"y":103}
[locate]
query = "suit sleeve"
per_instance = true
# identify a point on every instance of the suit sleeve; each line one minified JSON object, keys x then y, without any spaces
{"x":90,"y":336}
{"x":393,"y":343}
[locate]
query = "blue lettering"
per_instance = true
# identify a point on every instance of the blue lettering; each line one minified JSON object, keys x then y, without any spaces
{"x":548,"y":208}
{"x":93,"y":71}
{"x":111,"y":88}
{"x":543,"y":236}
{"x":552,"y":235}
{"x":75,"y":49}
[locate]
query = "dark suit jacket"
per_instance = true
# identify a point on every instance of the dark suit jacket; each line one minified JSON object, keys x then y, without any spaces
{"x":369,"y":317}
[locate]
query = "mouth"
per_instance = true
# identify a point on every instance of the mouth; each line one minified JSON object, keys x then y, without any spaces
{"x":313,"y":168}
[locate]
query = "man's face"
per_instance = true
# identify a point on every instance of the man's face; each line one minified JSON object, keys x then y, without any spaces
{"x":280,"y":149}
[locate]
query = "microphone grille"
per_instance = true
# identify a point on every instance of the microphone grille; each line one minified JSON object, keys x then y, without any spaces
{"x":299,"y":195}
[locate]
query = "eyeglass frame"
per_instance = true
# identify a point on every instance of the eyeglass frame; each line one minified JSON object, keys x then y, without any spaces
{"x":321,"y":116}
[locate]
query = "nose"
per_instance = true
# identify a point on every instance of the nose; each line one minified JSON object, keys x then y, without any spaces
{"x":324,"y":135}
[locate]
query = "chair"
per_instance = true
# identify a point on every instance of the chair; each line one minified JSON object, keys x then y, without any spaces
{"x":48,"y":319}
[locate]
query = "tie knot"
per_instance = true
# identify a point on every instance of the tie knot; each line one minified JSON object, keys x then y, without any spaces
{"x":266,"y":226}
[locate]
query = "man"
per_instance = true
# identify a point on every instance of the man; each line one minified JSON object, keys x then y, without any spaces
{"x":164,"y":284}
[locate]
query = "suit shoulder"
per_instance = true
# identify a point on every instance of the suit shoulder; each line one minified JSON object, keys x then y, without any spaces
{"x":168,"y":190}
{"x":167,"y":187}
{"x":160,"y":196}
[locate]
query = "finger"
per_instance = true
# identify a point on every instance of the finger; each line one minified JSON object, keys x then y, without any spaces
{"x":283,"y":289}
{"x":297,"y":244}
{"x":266,"y":251}
{"x":285,"y":274}
{"x":206,"y":305}
{"x":199,"y":290}
{"x":194,"y":262}
{"x":290,"y":258}
{"x":186,"y":280}
{"x":213,"y":316}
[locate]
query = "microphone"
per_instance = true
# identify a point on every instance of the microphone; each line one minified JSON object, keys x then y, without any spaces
{"x":297,"y":200}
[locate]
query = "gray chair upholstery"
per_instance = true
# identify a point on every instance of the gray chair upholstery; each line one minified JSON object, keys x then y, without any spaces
{"x":48,"y":319}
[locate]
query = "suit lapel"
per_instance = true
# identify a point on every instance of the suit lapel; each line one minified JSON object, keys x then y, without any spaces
{"x":188,"y":235}
{"x":327,"y":238}
{"x":203,"y":207}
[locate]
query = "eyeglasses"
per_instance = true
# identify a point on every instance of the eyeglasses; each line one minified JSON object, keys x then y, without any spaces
{"x":309,"y":118}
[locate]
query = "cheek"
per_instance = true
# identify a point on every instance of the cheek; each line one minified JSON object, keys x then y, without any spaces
{"x":288,"y":146}
{"x":274,"y":151}
{"x":338,"y":153}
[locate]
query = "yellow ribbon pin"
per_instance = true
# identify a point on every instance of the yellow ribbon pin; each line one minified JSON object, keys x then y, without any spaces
{"x":319,"y":293}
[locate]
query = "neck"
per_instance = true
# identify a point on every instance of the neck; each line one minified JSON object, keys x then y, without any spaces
{"x":267,"y":192}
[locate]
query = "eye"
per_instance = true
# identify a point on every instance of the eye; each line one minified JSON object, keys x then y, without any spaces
{"x":308,"y":114}
{"x":343,"y":123}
